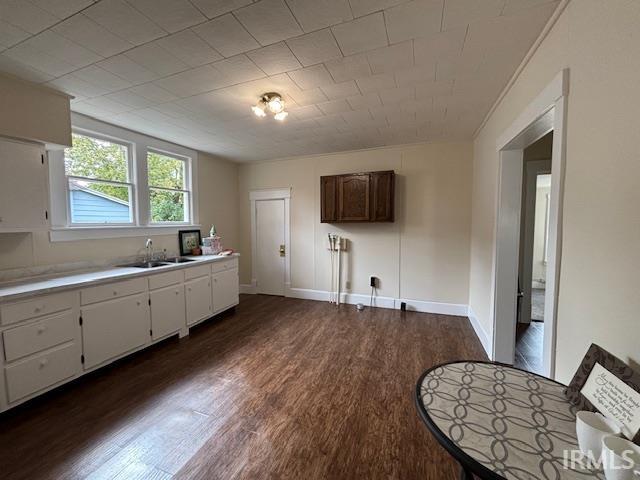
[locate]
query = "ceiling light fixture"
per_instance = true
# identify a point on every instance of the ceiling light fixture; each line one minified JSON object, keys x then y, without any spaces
{"x":274,"y":103}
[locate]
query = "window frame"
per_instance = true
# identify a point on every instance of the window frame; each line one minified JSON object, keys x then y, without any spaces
{"x":188,"y":184}
{"x":139,"y":144}
{"x":131,"y":184}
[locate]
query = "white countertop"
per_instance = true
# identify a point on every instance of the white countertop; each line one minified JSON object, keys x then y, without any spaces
{"x":35,"y":286}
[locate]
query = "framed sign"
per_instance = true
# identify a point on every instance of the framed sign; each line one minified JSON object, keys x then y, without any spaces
{"x":188,"y":240}
{"x":614,"y":399}
{"x":615,"y":371}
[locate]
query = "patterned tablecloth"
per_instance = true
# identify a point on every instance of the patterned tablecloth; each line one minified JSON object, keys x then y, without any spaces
{"x":516,"y":424}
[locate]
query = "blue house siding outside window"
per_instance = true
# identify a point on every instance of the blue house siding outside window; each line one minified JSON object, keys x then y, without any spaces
{"x":91,"y":207}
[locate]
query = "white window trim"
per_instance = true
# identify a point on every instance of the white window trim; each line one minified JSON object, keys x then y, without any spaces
{"x":131,"y":169}
{"x":61,"y":230}
{"x":188,"y":180}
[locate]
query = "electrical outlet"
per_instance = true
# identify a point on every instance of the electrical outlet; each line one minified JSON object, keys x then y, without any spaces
{"x":347,"y":285}
{"x":373,"y":282}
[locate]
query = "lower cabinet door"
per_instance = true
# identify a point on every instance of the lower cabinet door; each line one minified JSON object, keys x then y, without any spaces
{"x":198,"y":299}
{"x":167,"y":311}
{"x":225,"y":289}
{"x":112,"y":328}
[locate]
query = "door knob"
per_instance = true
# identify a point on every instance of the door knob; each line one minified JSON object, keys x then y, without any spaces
{"x":282,"y":251}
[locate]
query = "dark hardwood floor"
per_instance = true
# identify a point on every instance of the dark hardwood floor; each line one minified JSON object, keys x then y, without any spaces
{"x":529,"y":347}
{"x":280,"y":389}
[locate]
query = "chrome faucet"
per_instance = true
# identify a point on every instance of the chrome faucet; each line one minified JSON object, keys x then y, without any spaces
{"x":149,"y":247}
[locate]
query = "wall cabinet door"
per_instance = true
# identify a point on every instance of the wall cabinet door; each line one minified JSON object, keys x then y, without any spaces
{"x":382,"y":191}
{"x":167,"y":311}
{"x":23,"y":187}
{"x":112,"y":328}
{"x":328,"y":199}
{"x":226,"y":289}
{"x":354,"y":198}
{"x":198,"y":299}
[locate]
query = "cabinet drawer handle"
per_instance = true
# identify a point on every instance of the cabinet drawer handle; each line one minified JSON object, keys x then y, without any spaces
{"x":41,"y":329}
{"x":115,"y":292}
{"x":178,"y":292}
{"x":43,"y":362}
{"x":37,"y":309}
{"x":138,"y":302}
{"x":189,"y":288}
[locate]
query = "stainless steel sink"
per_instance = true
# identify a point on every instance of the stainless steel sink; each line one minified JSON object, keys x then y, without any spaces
{"x":148,"y":265}
{"x":179,"y":260}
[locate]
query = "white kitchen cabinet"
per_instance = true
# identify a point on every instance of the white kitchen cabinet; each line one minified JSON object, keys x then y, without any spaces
{"x":225,"y":286}
{"x":198,"y":299}
{"x":23,"y":189}
{"x":38,"y":372}
{"x":114,"y":327}
{"x":48,"y":338}
{"x":167,"y":311}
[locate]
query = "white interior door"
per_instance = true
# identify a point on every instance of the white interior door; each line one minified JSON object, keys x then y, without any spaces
{"x":270,"y":234}
{"x":528,"y":230}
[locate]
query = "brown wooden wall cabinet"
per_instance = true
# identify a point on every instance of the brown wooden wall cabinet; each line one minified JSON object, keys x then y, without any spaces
{"x":357,"y":197}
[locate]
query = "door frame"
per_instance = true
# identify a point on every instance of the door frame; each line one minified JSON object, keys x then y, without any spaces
{"x":548,"y":111}
{"x":271,"y":194}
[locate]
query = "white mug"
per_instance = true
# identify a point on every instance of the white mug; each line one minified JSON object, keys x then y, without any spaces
{"x":591,"y":428}
{"x":620,"y":459}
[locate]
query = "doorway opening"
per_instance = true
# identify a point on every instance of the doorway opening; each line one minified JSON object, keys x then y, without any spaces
{"x":546,"y":113}
{"x":534,"y":237}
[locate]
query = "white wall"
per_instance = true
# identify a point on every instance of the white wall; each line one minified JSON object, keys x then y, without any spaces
{"x":598,"y":301}
{"x":423,"y":255}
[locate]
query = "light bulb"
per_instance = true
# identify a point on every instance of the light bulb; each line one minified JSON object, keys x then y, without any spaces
{"x":258,"y":110}
{"x":276,"y":105}
{"x":281,"y":115}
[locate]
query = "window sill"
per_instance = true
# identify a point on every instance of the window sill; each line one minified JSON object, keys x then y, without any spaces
{"x":68,"y":234}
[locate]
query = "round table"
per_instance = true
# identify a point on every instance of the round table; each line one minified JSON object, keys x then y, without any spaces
{"x":500,"y":422}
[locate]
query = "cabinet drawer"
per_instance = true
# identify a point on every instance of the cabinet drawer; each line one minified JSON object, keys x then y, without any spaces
{"x":35,"y":337}
{"x":165,"y":279}
{"x":30,"y":376}
{"x":225,"y":265}
{"x":112,"y":290}
{"x":195,"y":272}
{"x":36,"y":307}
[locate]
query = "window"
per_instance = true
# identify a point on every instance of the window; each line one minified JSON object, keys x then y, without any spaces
{"x":115,"y":183}
{"x":168,"y":195}
{"x":99,"y":189}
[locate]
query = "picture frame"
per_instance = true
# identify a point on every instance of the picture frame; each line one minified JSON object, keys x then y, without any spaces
{"x":188,"y":240}
{"x":610,"y":362}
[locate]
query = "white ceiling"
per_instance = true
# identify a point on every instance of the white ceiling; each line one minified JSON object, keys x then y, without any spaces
{"x":355,"y":73}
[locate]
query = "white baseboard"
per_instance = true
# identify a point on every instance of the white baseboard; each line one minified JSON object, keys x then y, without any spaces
{"x":250,"y":289}
{"x":383,"y":302}
{"x":439,"y":308}
{"x":481,"y":333}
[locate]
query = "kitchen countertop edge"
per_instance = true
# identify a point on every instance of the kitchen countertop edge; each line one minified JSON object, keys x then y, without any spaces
{"x":91,"y":278}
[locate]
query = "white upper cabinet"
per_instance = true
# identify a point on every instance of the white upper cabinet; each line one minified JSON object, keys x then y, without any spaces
{"x":23,"y":187}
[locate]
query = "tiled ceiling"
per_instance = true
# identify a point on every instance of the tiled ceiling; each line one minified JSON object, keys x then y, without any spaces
{"x":354,"y":73}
